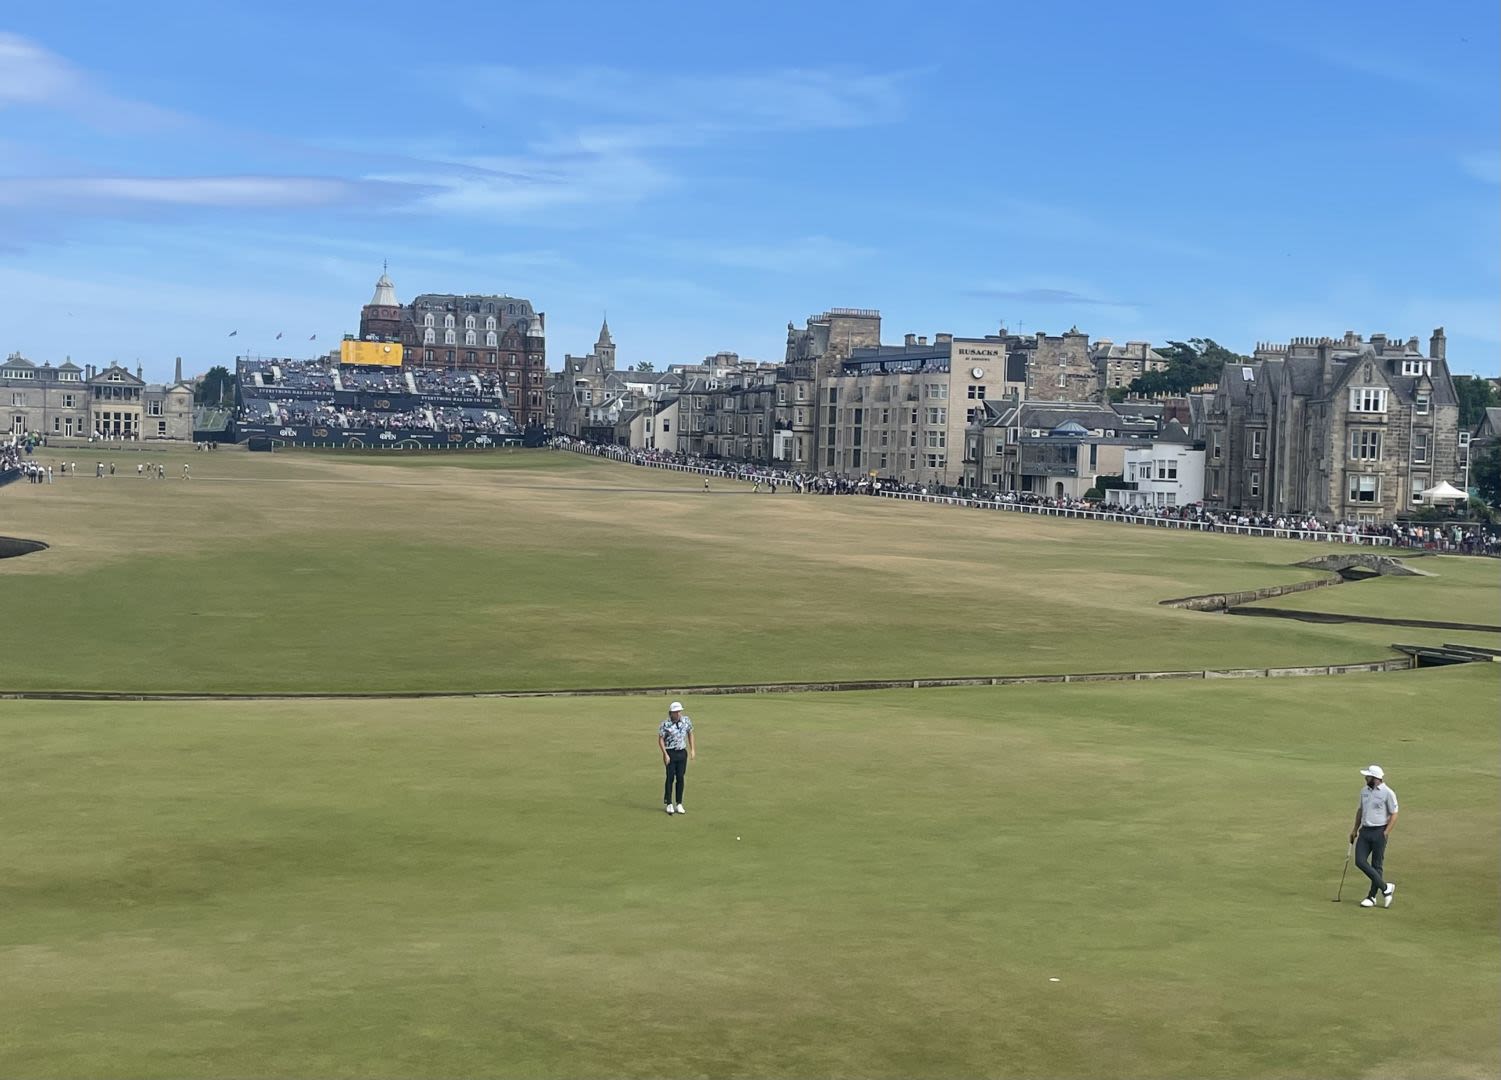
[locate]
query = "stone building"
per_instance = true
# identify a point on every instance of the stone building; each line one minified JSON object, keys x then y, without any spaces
{"x":1056,"y":449}
{"x":1116,"y":365}
{"x":68,"y":401}
{"x":1340,"y":428}
{"x":1062,"y":368}
{"x":813,"y":354}
{"x":494,"y":335}
{"x":901,"y":411}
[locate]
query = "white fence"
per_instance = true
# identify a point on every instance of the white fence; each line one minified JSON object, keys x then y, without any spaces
{"x":1151,"y":522}
{"x":1317,"y":535}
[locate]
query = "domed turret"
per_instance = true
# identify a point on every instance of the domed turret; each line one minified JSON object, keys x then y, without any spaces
{"x":385,"y":292}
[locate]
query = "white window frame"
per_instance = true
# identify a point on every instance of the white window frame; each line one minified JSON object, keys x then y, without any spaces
{"x":1357,"y":483}
{"x":1365,"y":445}
{"x":1368,"y":399}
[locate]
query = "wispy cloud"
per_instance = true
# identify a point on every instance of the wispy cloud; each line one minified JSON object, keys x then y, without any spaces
{"x":1485,"y":167}
{"x":1043,"y":295}
{"x":85,"y":194}
{"x":671,"y":109}
{"x":815,"y":253}
{"x":31,"y":75}
{"x":465,"y":185}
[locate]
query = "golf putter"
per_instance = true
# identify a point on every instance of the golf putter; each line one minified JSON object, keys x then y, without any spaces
{"x":1342,"y":874}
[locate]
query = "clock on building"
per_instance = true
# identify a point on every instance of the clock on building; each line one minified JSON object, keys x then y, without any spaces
{"x":978,"y":373}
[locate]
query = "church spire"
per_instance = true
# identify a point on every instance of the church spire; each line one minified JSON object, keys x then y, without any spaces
{"x":604,"y":332}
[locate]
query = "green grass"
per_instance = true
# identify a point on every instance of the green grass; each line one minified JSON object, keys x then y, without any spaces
{"x":490,"y":888}
{"x":381,"y":573}
{"x":1459,"y":590}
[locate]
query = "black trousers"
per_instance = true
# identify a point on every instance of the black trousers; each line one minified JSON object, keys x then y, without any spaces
{"x":1370,"y":857}
{"x":677,"y":767}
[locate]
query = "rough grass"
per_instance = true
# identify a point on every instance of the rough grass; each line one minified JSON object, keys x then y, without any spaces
{"x":490,"y":888}
{"x":381,"y":573}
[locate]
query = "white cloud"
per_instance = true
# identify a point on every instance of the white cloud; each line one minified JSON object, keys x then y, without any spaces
{"x":671,"y":109}
{"x":514,"y":186}
{"x":1051,"y":295}
{"x":1485,"y":167}
{"x":31,"y":75}
{"x":80,"y":193}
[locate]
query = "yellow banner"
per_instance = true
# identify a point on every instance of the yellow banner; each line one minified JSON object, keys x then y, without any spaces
{"x":370,"y":353}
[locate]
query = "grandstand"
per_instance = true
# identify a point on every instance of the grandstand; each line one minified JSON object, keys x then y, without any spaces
{"x":322,"y":403}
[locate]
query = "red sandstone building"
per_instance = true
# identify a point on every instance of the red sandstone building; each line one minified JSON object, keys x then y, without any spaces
{"x":492,"y":335}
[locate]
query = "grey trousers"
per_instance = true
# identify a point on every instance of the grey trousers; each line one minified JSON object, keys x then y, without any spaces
{"x":1370,"y":856}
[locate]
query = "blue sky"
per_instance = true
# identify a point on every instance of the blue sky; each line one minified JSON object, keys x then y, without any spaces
{"x":705,"y":173}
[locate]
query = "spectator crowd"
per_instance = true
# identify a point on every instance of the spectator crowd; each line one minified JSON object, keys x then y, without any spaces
{"x":1454,"y":537}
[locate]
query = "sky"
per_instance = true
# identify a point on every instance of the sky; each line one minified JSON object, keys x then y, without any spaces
{"x":704,"y":174}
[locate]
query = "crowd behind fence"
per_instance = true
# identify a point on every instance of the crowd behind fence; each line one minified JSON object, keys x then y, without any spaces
{"x":1446,"y":537}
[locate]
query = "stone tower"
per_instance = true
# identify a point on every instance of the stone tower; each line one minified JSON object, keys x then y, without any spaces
{"x":604,"y":348}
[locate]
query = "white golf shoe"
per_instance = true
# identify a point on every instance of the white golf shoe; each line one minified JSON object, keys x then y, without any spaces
{"x":668,"y":807}
{"x":1368,"y":902}
{"x":680,"y":809}
{"x":1390,"y":895}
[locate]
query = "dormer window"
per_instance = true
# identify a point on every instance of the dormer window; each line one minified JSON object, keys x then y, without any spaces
{"x":1417,"y":367}
{"x":427,"y":320}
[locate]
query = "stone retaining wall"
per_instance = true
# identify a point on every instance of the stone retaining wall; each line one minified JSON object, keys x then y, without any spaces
{"x":1225,"y":601}
{"x":1403,"y":663}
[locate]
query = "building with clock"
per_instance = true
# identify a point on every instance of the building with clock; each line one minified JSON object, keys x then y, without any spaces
{"x":902,"y":410}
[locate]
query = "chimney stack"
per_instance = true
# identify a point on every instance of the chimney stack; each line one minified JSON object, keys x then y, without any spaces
{"x":140,"y":371}
{"x":177,"y":374}
{"x":910,"y":340}
{"x":1436,"y":344}
{"x":943,"y":339}
{"x":922,"y":339}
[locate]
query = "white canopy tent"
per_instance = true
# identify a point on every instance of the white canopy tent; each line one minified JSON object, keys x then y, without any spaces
{"x":1443,"y":492}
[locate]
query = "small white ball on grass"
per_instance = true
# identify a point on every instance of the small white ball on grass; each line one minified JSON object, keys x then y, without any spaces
{"x":1052,"y":980}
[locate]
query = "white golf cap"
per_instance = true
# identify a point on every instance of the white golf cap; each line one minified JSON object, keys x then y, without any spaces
{"x":1373,"y":770}
{"x":676,"y":706}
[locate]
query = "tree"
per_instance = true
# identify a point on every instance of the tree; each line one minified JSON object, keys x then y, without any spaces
{"x":1190,"y":363}
{"x":1485,"y":474}
{"x":1475,"y":396}
{"x":645,"y":365}
{"x":216,"y":388}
